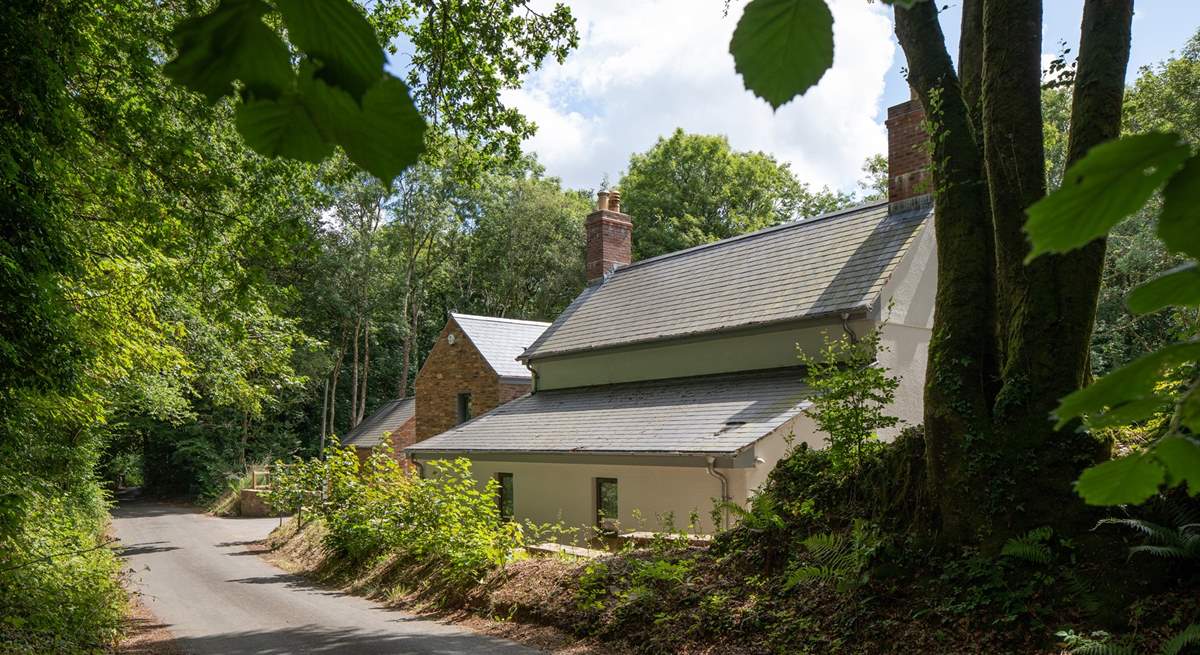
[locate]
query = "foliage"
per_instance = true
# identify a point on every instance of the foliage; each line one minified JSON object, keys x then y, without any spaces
{"x":466,"y":53}
{"x":837,"y":559}
{"x":1098,"y":643}
{"x":770,"y":31}
{"x":1178,"y":542}
{"x":691,"y":189}
{"x":339,"y":95}
{"x":1032,"y":546}
{"x":377,"y":507}
{"x":851,"y":392}
{"x":59,"y":587}
{"x":1132,"y":169}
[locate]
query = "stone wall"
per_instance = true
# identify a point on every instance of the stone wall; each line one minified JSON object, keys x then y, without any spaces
{"x":451,"y":369}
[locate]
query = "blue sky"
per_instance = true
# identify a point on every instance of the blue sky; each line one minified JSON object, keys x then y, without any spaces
{"x":645,"y":67}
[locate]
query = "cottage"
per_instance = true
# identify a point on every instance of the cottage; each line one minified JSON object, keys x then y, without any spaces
{"x":471,"y":369}
{"x":672,"y":382}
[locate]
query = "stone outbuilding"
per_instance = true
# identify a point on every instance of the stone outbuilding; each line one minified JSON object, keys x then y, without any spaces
{"x":471,"y":369}
{"x":394,"y":421}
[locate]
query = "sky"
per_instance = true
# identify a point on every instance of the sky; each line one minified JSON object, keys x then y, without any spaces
{"x":645,"y":67}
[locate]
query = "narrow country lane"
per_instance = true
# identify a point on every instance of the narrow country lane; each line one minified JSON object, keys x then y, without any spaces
{"x":199,"y":577}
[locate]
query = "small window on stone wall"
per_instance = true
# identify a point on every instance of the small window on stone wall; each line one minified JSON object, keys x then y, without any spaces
{"x":464,"y":407}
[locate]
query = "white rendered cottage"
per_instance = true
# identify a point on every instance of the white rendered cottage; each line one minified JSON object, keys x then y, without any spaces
{"x":673,"y":382}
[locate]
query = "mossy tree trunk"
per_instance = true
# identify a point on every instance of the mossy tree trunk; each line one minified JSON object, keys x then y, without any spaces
{"x":1008,"y":339}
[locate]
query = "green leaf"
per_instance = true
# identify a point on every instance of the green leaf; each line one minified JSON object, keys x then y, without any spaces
{"x":384,"y":137}
{"x":1179,"y":224}
{"x":336,"y":36}
{"x":230,"y":43}
{"x":1180,"y":456}
{"x":781,"y":48}
{"x":392,"y":135}
{"x":1111,"y":182}
{"x":904,"y":4}
{"x":1125,"y":481}
{"x":1133,"y":382}
{"x":281,"y":128}
{"x":1180,"y":286}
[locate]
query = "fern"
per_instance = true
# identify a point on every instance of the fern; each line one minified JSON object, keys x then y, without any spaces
{"x":837,"y":559}
{"x":1088,"y":645}
{"x":1030,"y":547}
{"x":1188,"y":637}
{"x":1181,"y":542}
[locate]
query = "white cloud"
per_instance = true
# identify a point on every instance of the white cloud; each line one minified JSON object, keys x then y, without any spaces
{"x":645,"y":67}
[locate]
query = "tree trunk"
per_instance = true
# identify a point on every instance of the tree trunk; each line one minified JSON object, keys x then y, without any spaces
{"x":337,"y":371}
{"x":961,"y":371}
{"x":1009,"y":340}
{"x":362,"y":403}
{"x":354,"y":376}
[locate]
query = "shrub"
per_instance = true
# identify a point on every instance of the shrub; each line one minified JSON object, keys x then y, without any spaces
{"x":377,"y":507}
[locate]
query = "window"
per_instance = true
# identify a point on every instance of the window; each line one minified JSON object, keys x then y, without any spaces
{"x":606,"y":503}
{"x":504,"y":497}
{"x":464,"y":407}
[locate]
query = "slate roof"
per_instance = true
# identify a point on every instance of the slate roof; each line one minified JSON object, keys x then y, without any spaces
{"x":385,"y":420}
{"x":816,"y":267}
{"x":717,"y":415}
{"x":501,"y":341}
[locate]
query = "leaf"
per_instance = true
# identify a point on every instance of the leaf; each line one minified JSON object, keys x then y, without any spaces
{"x":392,"y":135}
{"x":1179,"y":224}
{"x":781,"y":48}
{"x":281,"y":128}
{"x":230,"y":43}
{"x":1180,"y":286}
{"x":1125,"y":481}
{"x":1133,"y":382}
{"x":1180,"y":456}
{"x":904,"y":4}
{"x":1111,"y":182}
{"x":383,"y":137}
{"x":337,"y":37}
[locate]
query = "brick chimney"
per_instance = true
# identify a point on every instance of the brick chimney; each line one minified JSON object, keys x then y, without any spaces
{"x":609,"y":236}
{"x":908,"y":158}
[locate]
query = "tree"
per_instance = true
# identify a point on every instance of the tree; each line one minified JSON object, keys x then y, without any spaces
{"x":690,"y":189}
{"x":1009,"y":337}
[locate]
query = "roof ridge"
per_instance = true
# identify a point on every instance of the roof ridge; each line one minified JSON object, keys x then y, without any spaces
{"x":798,"y":222}
{"x":499,"y":319}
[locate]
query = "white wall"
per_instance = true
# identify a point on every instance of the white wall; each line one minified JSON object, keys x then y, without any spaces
{"x":554,"y":492}
{"x":907,"y":306}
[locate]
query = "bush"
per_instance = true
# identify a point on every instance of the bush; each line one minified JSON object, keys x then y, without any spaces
{"x":377,"y":507}
{"x":59,"y":587}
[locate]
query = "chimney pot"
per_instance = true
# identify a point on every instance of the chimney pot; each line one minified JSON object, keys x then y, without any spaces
{"x":614,"y":200}
{"x":602,"y":200}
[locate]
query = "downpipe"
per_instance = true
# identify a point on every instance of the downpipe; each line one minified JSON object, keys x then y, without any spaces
{"x":712,"y":470}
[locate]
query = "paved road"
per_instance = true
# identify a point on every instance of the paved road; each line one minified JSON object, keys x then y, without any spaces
{"x":216,"y":596}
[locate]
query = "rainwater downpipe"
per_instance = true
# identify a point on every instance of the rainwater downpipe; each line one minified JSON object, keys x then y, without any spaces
{"x":712,"y":470}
